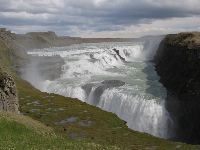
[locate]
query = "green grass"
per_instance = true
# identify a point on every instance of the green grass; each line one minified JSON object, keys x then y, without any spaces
{"x":5,"y":60}
{"x":188,"y":39}
{"x":15,"y":135}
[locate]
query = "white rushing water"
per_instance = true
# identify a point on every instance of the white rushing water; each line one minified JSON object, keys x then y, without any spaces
{"x":125,"y":83}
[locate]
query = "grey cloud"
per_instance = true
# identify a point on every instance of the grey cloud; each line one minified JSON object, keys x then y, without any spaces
{"x":92,"y":14}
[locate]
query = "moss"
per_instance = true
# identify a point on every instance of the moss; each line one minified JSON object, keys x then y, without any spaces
{"x":20,"y":132}
{"x":187,"y":39}
{"x":5,"y":61}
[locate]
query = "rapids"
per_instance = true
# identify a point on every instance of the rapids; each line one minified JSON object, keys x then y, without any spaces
{"x":116,"y":77}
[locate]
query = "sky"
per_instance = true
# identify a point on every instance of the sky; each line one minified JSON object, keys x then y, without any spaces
{"x":101,"y":18}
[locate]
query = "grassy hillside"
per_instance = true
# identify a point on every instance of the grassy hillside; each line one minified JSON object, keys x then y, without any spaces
{"x":5,"y":61}
{"x":91,"y":124}
{"x":23,"y":133}
{"x":75,"y":123}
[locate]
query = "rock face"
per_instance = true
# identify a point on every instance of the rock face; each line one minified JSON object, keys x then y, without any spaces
{"x":8,"y":94}
{"x":6,"y":34}
{"x":178,"y":63}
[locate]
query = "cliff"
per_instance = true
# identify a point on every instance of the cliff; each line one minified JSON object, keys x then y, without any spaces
{"x":8,"y":93}
{"x":177,"y":62}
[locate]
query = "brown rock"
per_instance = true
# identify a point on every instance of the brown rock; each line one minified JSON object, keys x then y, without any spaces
{"x":8,"y":94}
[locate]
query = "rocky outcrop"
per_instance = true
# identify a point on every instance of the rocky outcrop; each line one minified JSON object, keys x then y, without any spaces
{"x":6,"y":34}
{"x":117,"y":52}
{"x":178,"y":64}
{"x":8,"y":93}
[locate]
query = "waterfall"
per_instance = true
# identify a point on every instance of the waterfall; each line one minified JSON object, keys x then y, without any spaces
{"x":116,"y":77}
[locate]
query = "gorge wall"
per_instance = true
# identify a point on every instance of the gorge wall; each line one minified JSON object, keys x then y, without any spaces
{"x":178,"y":64}
{"x":8,"y":93}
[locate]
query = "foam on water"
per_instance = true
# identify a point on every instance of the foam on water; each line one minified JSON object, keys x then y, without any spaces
{"x":96,"y":74}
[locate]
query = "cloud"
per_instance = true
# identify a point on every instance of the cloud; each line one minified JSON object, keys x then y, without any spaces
{"x":86,"y":16}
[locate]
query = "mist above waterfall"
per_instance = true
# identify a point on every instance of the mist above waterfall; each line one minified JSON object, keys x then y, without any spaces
{"x":117,"y":77}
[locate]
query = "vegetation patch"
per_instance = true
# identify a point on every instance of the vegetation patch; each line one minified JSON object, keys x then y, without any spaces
{"x":22,"y":133}
{"x":79,"y":121}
